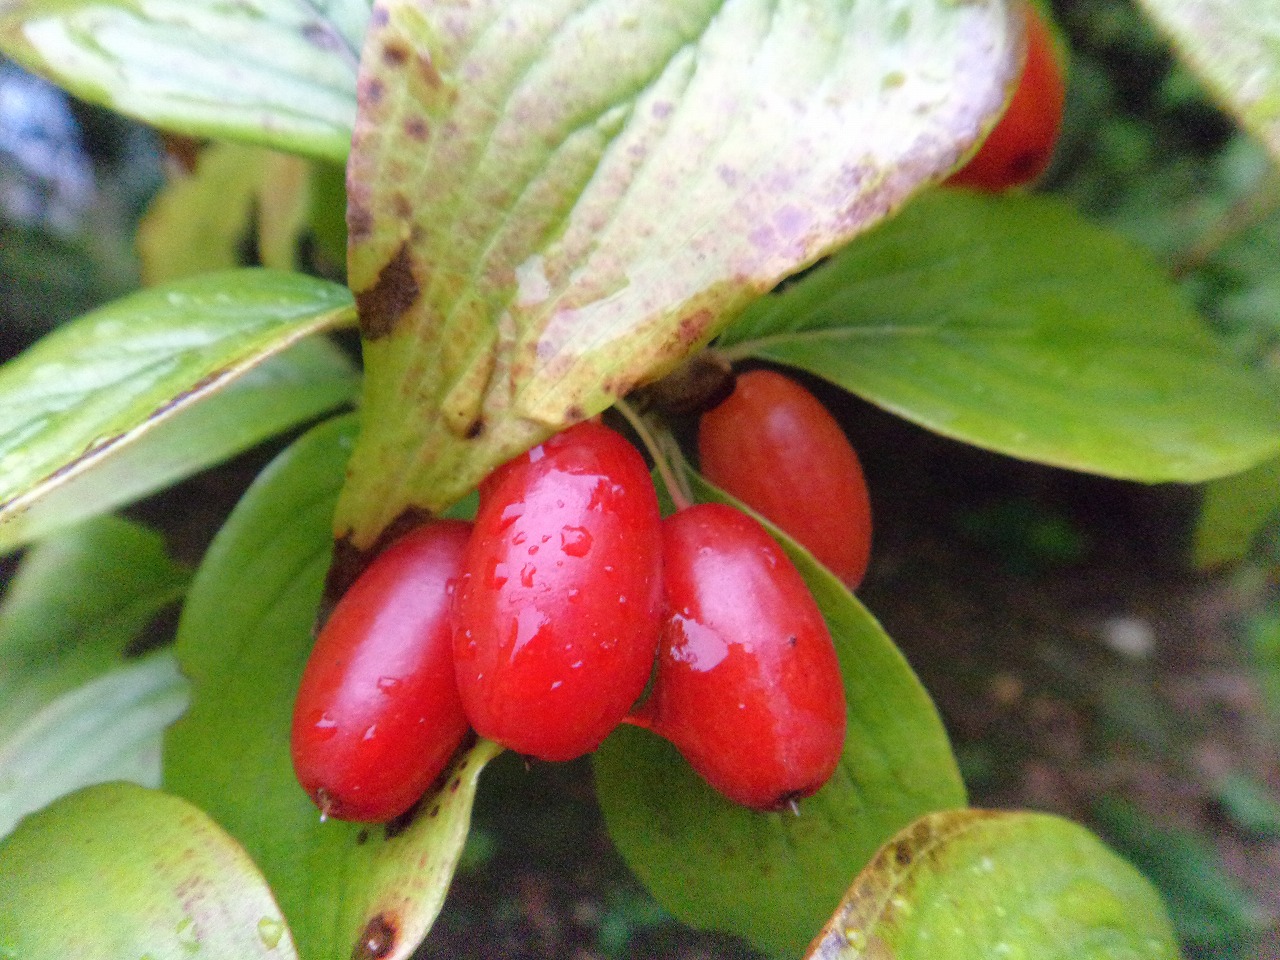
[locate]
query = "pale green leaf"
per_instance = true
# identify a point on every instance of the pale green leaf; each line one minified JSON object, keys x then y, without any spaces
{"x":75,"y":604}
{"x":774,"y":877}
{"x":1234,"y":45}
{"x":286,"y":390}
{"x":978,"y":884}
{"x":244,"y":638}
{"x":1012,"y":324}
{"x":554,"y":200}
{"x":109,"y":729}
{"x":117,"y":871}
{"x":99,"y":383}
{"x":280,"y":73}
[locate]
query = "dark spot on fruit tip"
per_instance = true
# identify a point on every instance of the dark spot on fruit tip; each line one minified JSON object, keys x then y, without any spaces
{"x":392,"y":294}
{"x":362,"y":837}
{"x":474,"y":429}
{"x":377,"y":939}
{"x":902,"y":854}
{"x":415,"y":128}
{"x":1024,"y":165}
{"x":395,"y":54}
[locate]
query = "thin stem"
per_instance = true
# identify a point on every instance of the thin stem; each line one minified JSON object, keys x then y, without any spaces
{"x":679,"y":496}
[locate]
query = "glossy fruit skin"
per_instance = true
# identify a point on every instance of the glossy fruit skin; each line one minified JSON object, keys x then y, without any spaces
{"x":773,"y":445}
{"x":1020,"y":147}
{"x":378,"y":714}
{"x":556,"y":615}
{"x":748,"y":686}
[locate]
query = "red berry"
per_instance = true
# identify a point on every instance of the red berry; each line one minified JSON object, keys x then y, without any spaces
{"x":1019,"y":148}
{"x":378,"y":714}
{"x":775,"y":447}
{"x":748,"y":687}
{"x":556,"y":614}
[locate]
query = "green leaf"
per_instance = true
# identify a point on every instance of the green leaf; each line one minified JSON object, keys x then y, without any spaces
{"x":977,"y":884}
{"x":74,"y":606}
{"x":108,"y":729}
{"x":118,"y":871}
{"x":278,"y":74}
{"x":71,"y":711}
{"x":244,"y":638}
{"x":306,"y":380}
{"x":1012,"y":324}
{"x":552,"y":201}
{"x":1234,"y":511}
{"x":774,"y":877}
{"x":98,"y":384}
{"x":1234,"y":46}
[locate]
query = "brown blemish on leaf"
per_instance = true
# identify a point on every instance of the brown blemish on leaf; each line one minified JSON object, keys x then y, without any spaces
{"x":402,"y":207}
{"x":359,"y":222}
{"x":474,"y":429}
{"x":370,"y":90}
{"x":381,"y":306}
{"x":902,"y":855}
{"x":349,"y":561}
{"x":428,"y":71}
{"x":377,"y":939}
{"x":395,"y":54}
{"x":362,"y":838}
{"x":415,"y":128}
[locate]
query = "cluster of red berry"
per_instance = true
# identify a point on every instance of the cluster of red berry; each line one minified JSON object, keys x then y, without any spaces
{"x":540,"y":625}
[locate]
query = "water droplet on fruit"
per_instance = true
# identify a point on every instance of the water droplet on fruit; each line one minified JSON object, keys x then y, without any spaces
{"x":608,"y":568}
{"x":575,"y":665}
{"x":545,"y":537}
{"x":622,"y":601}
{"x":327,"y":726}
{"x":573,"y":594}
{"x":370,"y":732}
{"x":526,"y":574}
{"x":499,"y":578}
{"x":389,"y":685}
{"x":528,"y":625}
{"x":697,"y":646}
{"x":510,"y":515}
{"x":557,"y":685}
{"x":270,"y":931}
{"x":533,"y":550}
{"x":519,"y":538}
{"x":537,"y":453}
{"x":575,"y":541}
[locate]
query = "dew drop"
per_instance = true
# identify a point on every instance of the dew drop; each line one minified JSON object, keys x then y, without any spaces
{"x":526,"y":574}
{"x":557,"y":685}
{"x":510,"y":515}
{"x":371,"y":732}
{"x":389,"y":685}
{"x":519,"y":538}
{"x":575,"y":541}
{"x":327,"y":726}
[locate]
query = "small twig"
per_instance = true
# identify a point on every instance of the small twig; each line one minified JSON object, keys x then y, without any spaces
{"x":679,"y":495}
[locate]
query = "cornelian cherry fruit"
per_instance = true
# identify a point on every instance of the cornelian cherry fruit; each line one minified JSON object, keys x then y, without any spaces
{"x":556,"y":615}
{"x":748,"y":686}
{"x":773,"y":445}
{"x":1018,"y":150}
{"x":378,"y":714}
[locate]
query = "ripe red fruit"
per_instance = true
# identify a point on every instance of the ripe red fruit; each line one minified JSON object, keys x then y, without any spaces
{"x":748,"y":687}
{"x":378,"y":714}
{"x":1019,"y":148}
{"x":775,"y":447}
{"x":556,"y":614}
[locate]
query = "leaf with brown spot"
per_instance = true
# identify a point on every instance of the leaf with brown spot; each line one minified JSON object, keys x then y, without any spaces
{"x":603,"y":183}
{"x":86,"y":393}
{"x":278,"y":74}
{"x":118,"y":871}
{"x":976,"y":884}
